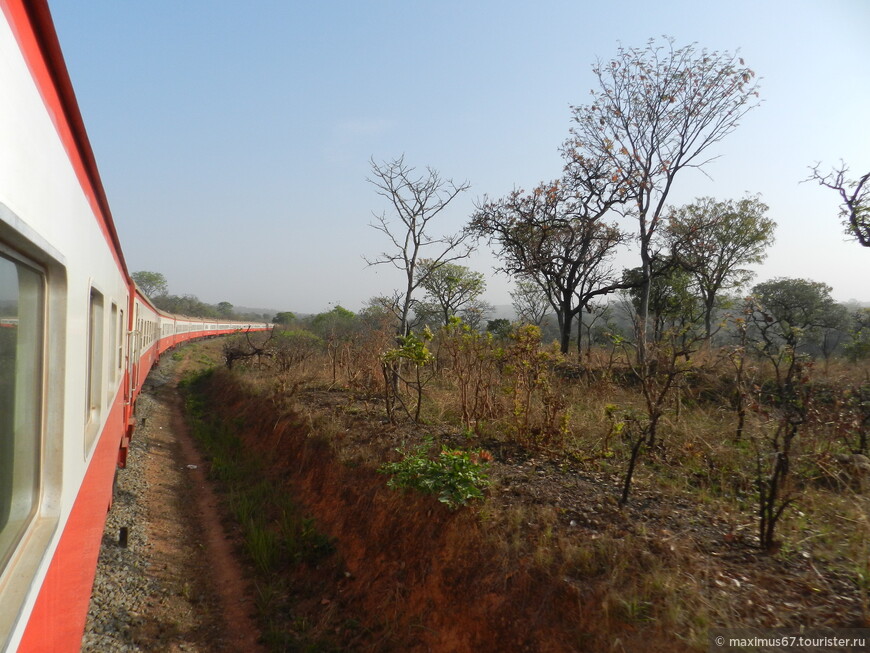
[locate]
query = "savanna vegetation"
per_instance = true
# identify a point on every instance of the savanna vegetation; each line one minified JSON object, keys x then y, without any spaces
{"x":675,"y":451}
{"x":724,"y":482}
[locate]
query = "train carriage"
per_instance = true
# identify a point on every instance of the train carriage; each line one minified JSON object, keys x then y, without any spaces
{"x":77,"y":339}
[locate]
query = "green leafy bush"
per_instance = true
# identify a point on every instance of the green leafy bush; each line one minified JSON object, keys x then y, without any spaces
{"x":456,"y":476}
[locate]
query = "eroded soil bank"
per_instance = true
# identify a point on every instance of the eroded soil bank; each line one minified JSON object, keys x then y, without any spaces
{"x":408,"y":574}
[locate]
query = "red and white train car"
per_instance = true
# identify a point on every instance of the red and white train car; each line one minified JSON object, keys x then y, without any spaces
{"x":76,"y":341}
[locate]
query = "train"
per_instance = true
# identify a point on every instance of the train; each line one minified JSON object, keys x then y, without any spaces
{"x":77,"y":339}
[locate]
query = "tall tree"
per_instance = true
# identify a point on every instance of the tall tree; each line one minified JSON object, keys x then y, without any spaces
{"x":152,"y":284}
{"x":416,"y":201}
{"x":712,"y":240}
{"x":556,"y":237}
{"x":855,"y":196}
{"x":657,"y":111}
{"x":450,"y":286}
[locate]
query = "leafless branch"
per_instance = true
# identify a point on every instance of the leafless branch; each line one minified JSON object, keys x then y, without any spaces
{"x":854,"y":196}
{"x":416,"y":200}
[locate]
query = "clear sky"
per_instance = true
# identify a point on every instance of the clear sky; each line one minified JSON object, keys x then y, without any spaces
{"x":234,"y":138}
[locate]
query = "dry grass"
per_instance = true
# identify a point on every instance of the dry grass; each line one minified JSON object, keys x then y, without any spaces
{"x":682,"y":556}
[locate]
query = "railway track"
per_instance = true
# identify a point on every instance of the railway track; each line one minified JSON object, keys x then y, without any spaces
{"x":168,"y":579}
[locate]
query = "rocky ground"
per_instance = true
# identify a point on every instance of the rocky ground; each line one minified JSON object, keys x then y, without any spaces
{"x":176,"y":585}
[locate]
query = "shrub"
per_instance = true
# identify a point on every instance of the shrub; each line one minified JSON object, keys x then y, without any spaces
{"x":457,"y":476}
{"x":472,"y":360}
{"x":539,"y":409}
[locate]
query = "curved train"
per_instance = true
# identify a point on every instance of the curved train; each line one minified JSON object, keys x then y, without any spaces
{"x":77,"y":338}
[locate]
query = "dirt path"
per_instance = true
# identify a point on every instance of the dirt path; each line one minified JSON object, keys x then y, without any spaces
{"x":186,"y":530}
{"x":193,"y":593}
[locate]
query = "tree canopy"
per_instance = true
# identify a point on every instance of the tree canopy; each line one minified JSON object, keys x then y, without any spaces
{"x":152,"y":284}
{"x":284,"y":317}
{"x":713,"y":240}
{"x":656,"y":112}
{"x":792,"y":309}
{"x":672,"y":300}
{"x":450,"y":287}
{"x":556,"y":238}
{"x":337,"y":322}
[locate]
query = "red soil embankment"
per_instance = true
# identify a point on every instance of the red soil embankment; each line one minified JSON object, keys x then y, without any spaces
{"x":417,"y":576}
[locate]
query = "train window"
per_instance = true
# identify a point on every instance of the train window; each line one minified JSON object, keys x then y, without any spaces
{"x":95,"y":367}
{"x":114,"y":335}
{"x":120,"y":340}
{"x":22,"y":301}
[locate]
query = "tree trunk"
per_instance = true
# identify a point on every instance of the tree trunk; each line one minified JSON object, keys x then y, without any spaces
{"x":566,"y":332}
{"x":579,"y":338}
{"x":632,"y":461}
{"x":643,"y":315}
{"x":708,"y":318}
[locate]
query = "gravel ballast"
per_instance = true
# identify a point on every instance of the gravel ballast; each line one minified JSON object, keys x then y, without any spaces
{"x":123,"y":586}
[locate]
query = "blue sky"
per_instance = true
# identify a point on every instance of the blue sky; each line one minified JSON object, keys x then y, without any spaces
{"x":234,"y":138}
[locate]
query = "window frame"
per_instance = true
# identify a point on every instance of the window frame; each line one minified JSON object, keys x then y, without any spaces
{"x":33,"y":394}
{"x":19,"y":241}
{"x":95,"y":394}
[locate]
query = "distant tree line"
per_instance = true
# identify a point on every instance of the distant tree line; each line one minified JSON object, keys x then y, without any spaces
{"x":155,"y":286}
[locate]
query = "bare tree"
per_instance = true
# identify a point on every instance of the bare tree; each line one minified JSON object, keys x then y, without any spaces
{"x":657,"y":111}
{"x":855,"y":196}
{"x":594,"y":313}
{"x":416,"y":201}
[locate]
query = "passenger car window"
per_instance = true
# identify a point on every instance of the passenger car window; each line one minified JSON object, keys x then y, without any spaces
{"x":22,"y":293}
{"x":95,"y":367}
{"x":113,"y":366}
